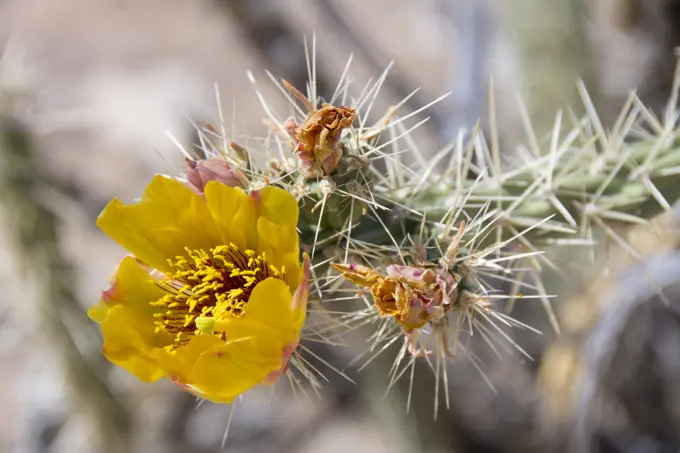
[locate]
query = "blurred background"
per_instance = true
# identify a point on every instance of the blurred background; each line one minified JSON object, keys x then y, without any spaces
{"x":106,"y":79}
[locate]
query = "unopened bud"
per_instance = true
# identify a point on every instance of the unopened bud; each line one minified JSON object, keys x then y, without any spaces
{"x":201,"y":171}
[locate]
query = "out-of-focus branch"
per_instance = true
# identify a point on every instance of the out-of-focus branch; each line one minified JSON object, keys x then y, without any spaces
{"x":613,"y":308}
{"x":35,"y":228}
{"x":626,"y":358}
{"x":470,"y":32}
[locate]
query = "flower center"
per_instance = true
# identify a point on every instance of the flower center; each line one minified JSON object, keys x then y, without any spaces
{"x":206,"y":288}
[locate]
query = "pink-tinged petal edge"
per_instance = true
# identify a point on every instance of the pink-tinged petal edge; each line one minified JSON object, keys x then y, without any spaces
{"x":302,"y":292}
{"x":288,"y":350}
{"x":110,"y":294}
{"x":298,"y":303}
{"x":186,"y":387}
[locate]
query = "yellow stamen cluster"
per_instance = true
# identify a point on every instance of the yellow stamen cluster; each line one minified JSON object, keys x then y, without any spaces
{"x":205,"y":288}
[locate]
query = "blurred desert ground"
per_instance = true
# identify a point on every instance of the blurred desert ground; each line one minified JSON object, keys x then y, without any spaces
{"x":109,"y":78}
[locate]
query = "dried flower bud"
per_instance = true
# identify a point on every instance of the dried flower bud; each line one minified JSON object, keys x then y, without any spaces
{"x":201,"y":171}
{"x":411,"y":295}
{"x":318,"y":139}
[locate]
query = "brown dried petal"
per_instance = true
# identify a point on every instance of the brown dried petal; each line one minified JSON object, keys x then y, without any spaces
{"x":384,"y":296}
{"x":317,"y":139}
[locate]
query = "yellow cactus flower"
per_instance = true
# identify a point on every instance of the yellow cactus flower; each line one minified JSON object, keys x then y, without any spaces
{"x":214,"y":296}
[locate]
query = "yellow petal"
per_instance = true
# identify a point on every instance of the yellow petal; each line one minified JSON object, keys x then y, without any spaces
{"x":270,"y":310}
{"x":265,"y":221}
{"x":233,"y":214}
{"x":130,"y":339}
{"x":132,"y":286}
{"x":291,"y":263}
{"x":256,"y":343}
{"x":235,"y":367}
{"x":98,"y":312}
{"x":270,"y":303}
{"x":126,"y":344}
{"x":280,"y":245}
{"x":134,"y":289}
{"x":277,"y":205}
{"x":182,"y":364}
{"x":169,"y":218}
{"x":299,"y":302}
{"x":277,"y":212}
